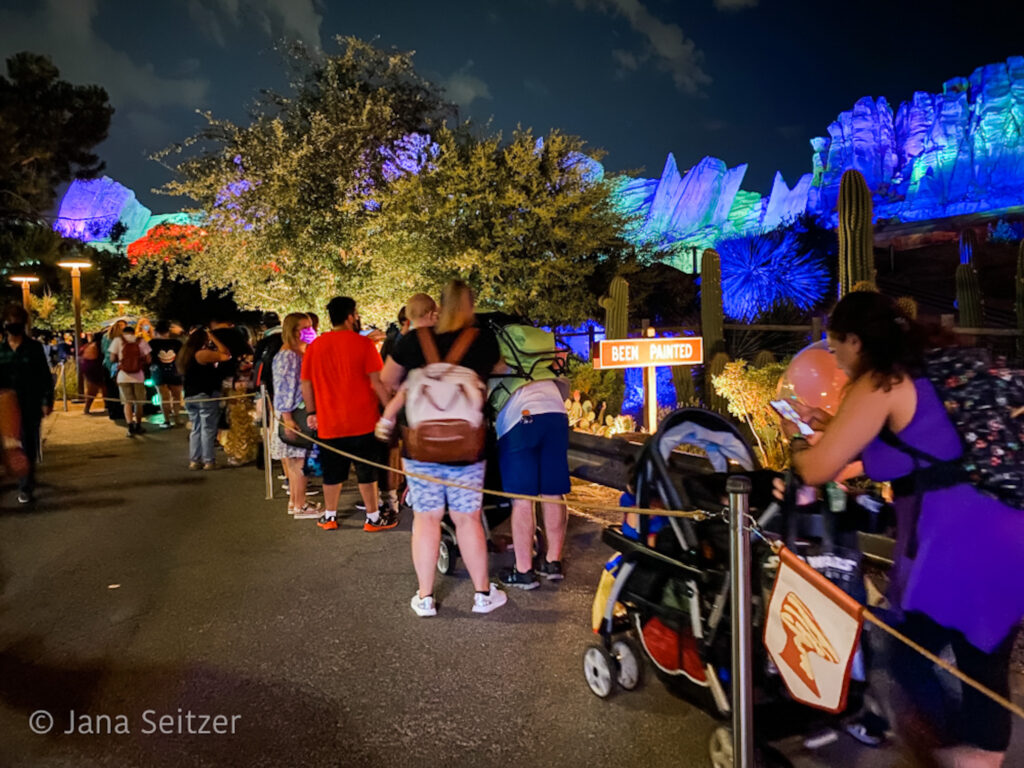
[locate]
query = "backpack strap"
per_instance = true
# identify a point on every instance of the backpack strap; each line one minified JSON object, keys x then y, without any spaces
{"x":461,"y":346}
{"x":428,"y":345}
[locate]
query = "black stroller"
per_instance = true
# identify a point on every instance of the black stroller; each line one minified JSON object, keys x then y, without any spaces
{"x":669,"y":600}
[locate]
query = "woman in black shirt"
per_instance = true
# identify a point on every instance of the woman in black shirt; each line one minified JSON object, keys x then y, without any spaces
{"x":198,"y":363}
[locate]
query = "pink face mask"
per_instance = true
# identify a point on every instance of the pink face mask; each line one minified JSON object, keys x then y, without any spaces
{"x":307,"y":335}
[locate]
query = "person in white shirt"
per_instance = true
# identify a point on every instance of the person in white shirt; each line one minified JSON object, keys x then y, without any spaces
{"x":131,"y":355}
{"x":533,"y":448}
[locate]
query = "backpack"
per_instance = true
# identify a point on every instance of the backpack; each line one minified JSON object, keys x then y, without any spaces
{"x":444,"y":405}
{"x":130,"y":359}
{"x":532,"y":354}
{"x":985,"y":402}
{"x":264,"y":362}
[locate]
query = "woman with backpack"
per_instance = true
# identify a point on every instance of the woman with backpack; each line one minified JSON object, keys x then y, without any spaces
{"x":959,"y":552}
{"x":197,"y":364}
{"x":131,"y":355}
{"x":455,"y":355}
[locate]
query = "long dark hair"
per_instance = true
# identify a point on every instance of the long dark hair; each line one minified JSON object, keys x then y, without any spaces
{"x":195,"y":342}
{"x":892,"y":344}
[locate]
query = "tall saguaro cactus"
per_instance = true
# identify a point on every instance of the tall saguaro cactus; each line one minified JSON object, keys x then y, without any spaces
{"x":968,"y":296}
{"x":1019,"y":299}
{"x":616,"y":309}
{"x":856,"y":232}
{"x":716,"y":367}
{"x":968,"y":241}
{"x":711,"y":314}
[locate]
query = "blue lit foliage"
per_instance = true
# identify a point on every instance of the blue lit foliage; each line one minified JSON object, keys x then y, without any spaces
{"x":633,"y":400}
{"x":769,"y":271}
{"x":412,"y":153}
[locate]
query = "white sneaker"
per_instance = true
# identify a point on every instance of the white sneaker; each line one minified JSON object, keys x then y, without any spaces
{"x":489,"y":602}
{"x":307,"y":512}
{"x":423,"y":606}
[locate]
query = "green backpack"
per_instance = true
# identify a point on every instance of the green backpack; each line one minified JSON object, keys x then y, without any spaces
{"x":532,"y":355}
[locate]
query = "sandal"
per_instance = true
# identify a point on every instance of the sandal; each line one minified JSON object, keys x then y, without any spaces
{"x":308,"y":511}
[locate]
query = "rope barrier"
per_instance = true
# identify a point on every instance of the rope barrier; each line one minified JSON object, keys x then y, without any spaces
{"x":185,"y":400}
{"x":689,"y":514}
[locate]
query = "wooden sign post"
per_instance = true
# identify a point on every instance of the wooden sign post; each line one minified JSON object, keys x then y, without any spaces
{"x":649,"y":354}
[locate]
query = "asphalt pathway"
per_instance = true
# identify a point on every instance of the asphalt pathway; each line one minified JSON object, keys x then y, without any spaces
{"x":137,"y":590}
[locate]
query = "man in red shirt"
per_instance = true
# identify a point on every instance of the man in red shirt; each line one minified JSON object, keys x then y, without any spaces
{"x":343,"y":393}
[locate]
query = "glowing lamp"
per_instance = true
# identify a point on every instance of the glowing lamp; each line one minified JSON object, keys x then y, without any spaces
{"x":26,"y":295}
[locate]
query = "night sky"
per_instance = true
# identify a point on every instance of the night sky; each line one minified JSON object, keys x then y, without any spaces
{"x":745,"y":80}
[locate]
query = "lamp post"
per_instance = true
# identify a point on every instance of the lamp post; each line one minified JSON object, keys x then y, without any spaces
{"x":26,"y":281}
{"x":76,"y":268}
{"x":122,"y":304}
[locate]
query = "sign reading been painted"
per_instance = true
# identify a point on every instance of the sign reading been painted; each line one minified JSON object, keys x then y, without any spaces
{"x":648,"y":353}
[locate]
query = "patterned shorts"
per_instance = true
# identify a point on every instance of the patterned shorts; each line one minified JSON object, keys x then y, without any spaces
{"x":434,"y":497}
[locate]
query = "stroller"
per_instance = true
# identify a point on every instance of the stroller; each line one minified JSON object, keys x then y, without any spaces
{"x":665,"y":597}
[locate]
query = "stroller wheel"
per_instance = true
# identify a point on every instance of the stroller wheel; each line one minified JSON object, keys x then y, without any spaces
{"x":600,"y":670}
{"x":630,"y":663}
{"x":447,"y":554}
{"x":720,"y":747}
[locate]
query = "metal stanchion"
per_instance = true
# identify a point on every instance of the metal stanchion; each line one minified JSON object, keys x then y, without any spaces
{"x":738,"y":489}
{"x":64,"y":383}
{"x":268,"y":463}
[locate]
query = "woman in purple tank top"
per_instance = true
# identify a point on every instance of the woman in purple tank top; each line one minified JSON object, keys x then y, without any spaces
{"x":958,"y":579}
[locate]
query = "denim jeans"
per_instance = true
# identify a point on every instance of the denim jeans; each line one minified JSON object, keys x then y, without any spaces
{"x":205,"y":416}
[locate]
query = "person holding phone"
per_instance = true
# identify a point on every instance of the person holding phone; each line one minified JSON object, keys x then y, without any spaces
{"x":975,"y":606}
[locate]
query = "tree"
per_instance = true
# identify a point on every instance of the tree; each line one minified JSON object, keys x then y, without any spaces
{"x":354,"y":184}
{"x":271,"y":195}
{"x":529,"y":223}
{"x":48,"y":128}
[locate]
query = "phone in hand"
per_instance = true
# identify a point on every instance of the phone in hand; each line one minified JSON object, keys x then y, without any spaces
{"x":787,"y":411}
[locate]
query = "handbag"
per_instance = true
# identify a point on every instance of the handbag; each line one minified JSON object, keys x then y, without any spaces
{"x":288,"y":436}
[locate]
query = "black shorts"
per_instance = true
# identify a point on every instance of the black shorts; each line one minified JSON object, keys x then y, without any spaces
{"x":336,"y":467}
{"x":979,"y":722}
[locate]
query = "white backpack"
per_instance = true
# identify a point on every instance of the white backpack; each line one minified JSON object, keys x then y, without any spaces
{"x":444,"y":404}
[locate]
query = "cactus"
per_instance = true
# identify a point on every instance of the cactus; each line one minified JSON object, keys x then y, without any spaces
{"x":856,"y":233}
{"x":1019,"y":303}
{"x":968,"y":296}
{"x":907,"y":306}
{"x":616,"y":309}
{"x":716,"y":368}
{"x":686,"y":392}
{"x":711,"y":314}
{"x":968,"y":241}
{"x":763,"y":358}
{"x":864,"y":286}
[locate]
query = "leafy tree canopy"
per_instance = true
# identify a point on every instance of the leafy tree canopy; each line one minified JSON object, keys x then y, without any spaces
{"x":353,"y":183}
{"x":48,"y":128}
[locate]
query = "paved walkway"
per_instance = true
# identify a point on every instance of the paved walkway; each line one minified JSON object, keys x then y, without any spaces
{"x":136,"y":588}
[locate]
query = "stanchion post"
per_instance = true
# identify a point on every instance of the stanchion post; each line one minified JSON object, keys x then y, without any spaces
{"x":64,"y":383}
{"x":268,"y":463}
{"x":738,"y":489}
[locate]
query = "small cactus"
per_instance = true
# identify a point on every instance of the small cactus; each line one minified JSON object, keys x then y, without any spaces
{"x":864,"y":286}
{"x":856,"y":232}
{"x":968,"y":296}
{"x":763,"y":358}
{"x":616,"y":309}
{"x":907,"y":305}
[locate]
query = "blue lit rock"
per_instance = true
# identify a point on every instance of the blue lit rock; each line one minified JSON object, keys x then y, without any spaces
{"x":89,"y":209}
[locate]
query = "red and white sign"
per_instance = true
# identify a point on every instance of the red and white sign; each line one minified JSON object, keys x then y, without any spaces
{"x":649,"y":353}
{"x":811,"y":634}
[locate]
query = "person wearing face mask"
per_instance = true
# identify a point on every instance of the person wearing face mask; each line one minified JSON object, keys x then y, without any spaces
{"x":25,"y":361}
{"x":132,"y":356}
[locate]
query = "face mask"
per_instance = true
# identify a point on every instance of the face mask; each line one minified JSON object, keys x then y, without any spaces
{"x":128,"y":337}
{"x":15,"y":329}
{"x":307,"y":335}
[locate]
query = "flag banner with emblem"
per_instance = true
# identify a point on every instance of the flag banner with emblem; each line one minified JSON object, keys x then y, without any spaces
{"x":811,"y":634}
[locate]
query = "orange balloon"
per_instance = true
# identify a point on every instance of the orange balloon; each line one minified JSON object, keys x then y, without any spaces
{"x":813,"y":378}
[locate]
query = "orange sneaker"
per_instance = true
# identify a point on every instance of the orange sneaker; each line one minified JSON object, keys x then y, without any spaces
{"x":328,"y":523}
{"x":387,"y":520}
